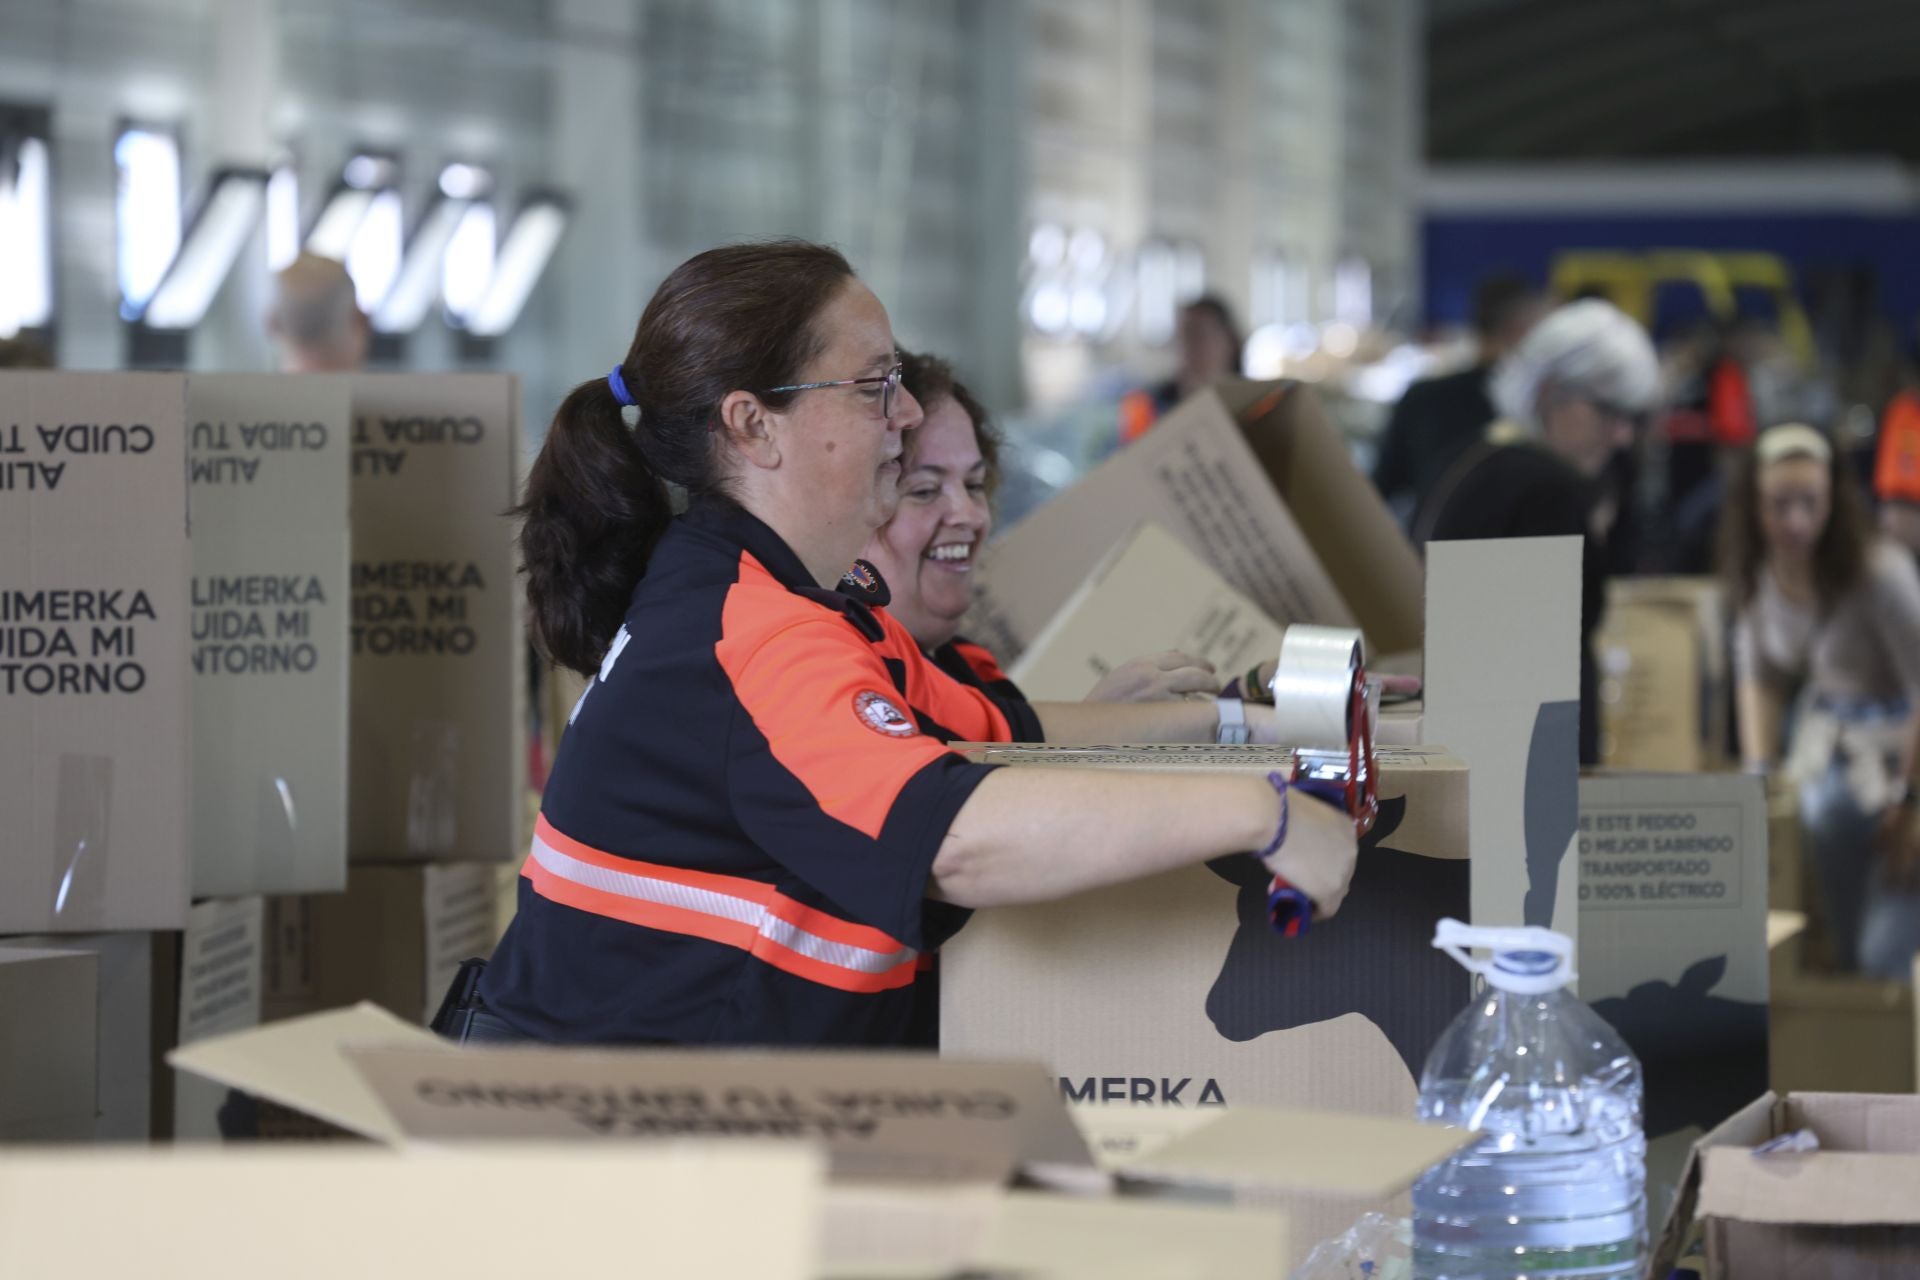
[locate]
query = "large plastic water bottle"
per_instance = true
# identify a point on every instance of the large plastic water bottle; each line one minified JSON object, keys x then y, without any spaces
{"x":1555,"y":1186}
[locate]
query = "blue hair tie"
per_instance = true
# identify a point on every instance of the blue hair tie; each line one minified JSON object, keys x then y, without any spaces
{"x":618,"y":385}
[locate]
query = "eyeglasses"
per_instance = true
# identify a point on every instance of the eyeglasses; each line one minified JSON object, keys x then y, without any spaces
{"x":889,"y":382}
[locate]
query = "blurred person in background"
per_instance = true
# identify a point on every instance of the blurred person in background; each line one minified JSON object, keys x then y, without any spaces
{"x":1439,"y":419}
{"x":1569,"y":398}
{"x":1209,"y":344}
{"x":927,"y":551}
{"x":315,"y":321}
{"x":1826,"y":647}
{"x":1896,"y":470}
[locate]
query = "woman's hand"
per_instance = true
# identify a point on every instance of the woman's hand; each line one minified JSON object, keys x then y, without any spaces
{"x":1320,"y":852}
{"x":1160,"y":678}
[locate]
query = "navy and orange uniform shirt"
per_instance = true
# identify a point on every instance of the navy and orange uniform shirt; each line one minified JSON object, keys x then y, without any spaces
{"x":736,"y":842}
{"x":975,"y":665}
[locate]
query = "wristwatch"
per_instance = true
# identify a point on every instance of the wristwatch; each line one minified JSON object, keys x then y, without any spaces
{"x":1234,"y":730}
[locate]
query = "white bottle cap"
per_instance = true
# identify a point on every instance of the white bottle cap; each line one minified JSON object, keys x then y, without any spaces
{"x":1529,"y":961}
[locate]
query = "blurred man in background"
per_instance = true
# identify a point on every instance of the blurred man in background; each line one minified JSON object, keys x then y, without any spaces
{"x":1441,"y":418}
{"x":315,"y":322}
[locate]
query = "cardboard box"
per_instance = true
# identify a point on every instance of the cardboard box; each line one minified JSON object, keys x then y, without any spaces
{"x":136,"y":1025}
{"x":321,"y":1214}
{"x":1174,"y":991}
{"x":268,"y":460}
{"x":94,"y":689}
{"x":1849,"y":1210}
{"x":1503,"y":694}
{"x":48,"y":1010}
{"x":395,"y":937}
{"x":1673,"y":935}
{"x":1674,"y":946}
{"x":920,"y":1149}
{"x":1835,"y":1033}
{"x":1666,"y":695}
{"x":438,"y":751}
{"x":1649,"y":691}
{"x":1254,"y":480}
{"x":220,"y":984}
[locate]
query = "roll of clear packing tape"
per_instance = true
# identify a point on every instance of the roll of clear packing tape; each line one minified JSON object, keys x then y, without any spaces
{"x":1313,"y":686}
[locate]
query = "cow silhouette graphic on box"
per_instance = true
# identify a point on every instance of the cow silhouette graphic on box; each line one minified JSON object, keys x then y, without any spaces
{"x":1376,"y":958}
{"x":1704,"y":1056}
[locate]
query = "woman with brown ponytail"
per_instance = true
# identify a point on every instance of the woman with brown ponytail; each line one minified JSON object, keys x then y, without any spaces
{"x":754,"y":832}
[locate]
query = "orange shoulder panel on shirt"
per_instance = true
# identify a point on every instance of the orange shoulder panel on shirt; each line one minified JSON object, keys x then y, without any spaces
{"x":821,"y":696}
{"x":959,"y":707}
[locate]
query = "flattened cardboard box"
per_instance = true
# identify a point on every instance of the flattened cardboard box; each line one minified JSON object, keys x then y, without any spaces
{"x":1503,"y":693}
{"x":437,"y":752}
{"x":1174,"y":991}
{"x":1673,"y":944}
{"x":268,"y":461}
{"x":48,"y":1052}
{"x":1850,"y":1210}
{"x":1254,"y":480}
{"x":94,"y":746}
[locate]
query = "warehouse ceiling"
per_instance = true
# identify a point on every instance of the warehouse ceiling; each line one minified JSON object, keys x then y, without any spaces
{"x":1574,"y":79}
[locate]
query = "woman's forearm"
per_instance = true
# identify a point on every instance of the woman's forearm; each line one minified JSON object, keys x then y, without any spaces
{"x":1032,"y":835}
{"x":1181,"y":720}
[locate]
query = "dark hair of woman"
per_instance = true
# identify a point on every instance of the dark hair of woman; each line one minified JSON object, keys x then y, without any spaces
{"x":930,"y":380}
{"x":1839,"y":558}
{"x":737,"y":318}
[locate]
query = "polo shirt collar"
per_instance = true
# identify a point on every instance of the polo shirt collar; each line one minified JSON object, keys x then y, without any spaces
{"x":735,"y":524}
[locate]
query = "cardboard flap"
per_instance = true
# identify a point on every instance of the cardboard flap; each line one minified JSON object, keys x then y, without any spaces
{"x":880,"y":1115}
{"x":1149,"y":594}
{"x":1196,"y":475}
{"x":1373,"y":566}
{"x":1834,"y":1188}
{"x":1784,"y":927}
{"x":298,"y":1063}
{"x":323,"y":1212}
{"x":1323,"y":1151}
{"x":1866,"y":1123}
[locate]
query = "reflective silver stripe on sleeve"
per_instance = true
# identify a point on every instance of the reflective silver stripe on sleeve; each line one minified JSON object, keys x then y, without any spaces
{"x":669,"y":893}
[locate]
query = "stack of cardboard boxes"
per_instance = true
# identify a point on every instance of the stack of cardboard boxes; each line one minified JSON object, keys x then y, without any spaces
{"x":255,"y":631}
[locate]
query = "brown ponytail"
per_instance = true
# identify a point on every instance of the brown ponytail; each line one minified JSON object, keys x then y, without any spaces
{"x":597,"y":500}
